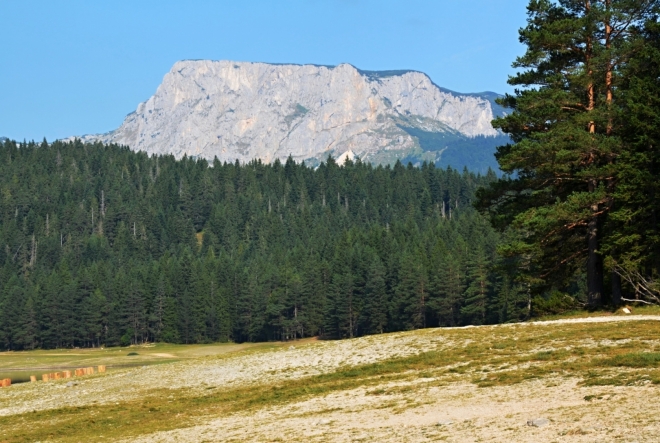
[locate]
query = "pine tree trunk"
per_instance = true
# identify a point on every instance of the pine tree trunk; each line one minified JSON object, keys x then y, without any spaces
{"x":594,"y":261}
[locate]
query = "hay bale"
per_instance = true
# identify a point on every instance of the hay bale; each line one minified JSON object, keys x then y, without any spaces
{"x":45,"y":377}
{"x":5,"y":382}
{"x":101,"y":369}
{"x":66,"y":374}
{"x":33,"y":378}
{"x":80,"y":372}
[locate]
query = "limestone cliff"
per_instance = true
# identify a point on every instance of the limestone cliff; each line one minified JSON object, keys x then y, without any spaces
{"x":244,"y":111}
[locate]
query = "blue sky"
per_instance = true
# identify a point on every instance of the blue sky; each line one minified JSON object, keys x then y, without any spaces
{"x":72,"y":67}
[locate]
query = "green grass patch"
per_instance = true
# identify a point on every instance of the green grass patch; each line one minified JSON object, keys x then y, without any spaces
{"x":20,"y":365}
{"x":635,"y":360}
{"x":550,"y":355}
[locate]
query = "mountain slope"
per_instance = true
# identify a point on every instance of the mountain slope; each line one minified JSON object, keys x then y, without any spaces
{"x":245,"y":111}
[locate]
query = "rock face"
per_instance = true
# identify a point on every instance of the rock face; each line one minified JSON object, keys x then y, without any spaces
{"x":247,"y":111}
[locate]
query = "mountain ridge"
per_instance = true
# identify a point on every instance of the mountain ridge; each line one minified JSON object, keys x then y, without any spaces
{"x":252,"y":110}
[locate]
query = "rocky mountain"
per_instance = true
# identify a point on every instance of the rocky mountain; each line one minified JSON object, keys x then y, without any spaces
{"x":237,"y":110}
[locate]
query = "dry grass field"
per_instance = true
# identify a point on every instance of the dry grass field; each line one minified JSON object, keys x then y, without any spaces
{"x":20,"y":365}
{"x":592,"y":379}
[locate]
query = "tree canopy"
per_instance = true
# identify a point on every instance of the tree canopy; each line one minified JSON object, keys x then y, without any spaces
{"x":581,"y":137}
{"x":105,"y":246}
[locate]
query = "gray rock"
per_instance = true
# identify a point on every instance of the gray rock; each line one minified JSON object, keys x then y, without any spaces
{"x":323,"y":422}
{"x":71,"y":384}
{"x":246,"y":111}
{"x":538,"y":422}
{"x":445,"y":423}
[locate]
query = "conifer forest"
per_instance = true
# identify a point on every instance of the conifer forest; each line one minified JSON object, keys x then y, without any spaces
{"x":106,"y":246}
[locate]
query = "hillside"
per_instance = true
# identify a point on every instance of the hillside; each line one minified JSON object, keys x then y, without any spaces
{"x":246,"y":111}
{"x":592,"y":379}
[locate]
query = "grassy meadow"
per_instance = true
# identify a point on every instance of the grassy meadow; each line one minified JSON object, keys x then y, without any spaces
{"x":20,"y":365}
{"x":596,"y":357}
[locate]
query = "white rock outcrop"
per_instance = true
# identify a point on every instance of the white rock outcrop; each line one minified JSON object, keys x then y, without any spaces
{"x":245,"y":111}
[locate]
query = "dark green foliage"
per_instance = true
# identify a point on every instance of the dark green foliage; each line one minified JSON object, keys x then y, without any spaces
{"x":579,"y":197}
{"x":105,"y":246}
{"x":477,"y":293}
{"x":634,"y":233}
{"x":635,"y":360}
{"x":553,"y":303}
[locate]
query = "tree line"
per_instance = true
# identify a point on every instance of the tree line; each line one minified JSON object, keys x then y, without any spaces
{"x":105,"y":246}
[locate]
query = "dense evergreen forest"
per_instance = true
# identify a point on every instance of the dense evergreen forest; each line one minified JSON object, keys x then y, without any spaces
{"x":105,"y":246}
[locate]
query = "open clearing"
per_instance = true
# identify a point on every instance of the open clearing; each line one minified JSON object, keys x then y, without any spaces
{"x":594,"y":379}
{"x":20,"y":365}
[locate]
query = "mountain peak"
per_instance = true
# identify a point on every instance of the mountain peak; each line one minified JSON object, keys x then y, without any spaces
{"x":248,"y":110}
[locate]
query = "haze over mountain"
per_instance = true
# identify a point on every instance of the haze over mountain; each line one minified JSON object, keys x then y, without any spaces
{"x":240,"y":110}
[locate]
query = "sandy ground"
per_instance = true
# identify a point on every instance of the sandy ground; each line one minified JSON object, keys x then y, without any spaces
{"x":429,"y":411}
{"x":454,"y":413}
{"x":225,"y":371}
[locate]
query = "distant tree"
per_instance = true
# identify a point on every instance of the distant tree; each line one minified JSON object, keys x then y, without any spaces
{"x":446,"y":290}
{"x":377,"y":300}
{"x":477,"y":292}
{"x":411,"y":294}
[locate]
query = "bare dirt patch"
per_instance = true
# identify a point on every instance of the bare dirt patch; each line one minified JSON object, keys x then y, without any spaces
{"x":457,"y":413}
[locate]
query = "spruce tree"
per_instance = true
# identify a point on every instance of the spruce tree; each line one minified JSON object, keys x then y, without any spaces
{"x":376,"y":293}
{"x":477,"y":290}
{"x":411,"y":294}
{"x":446,"y":290}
